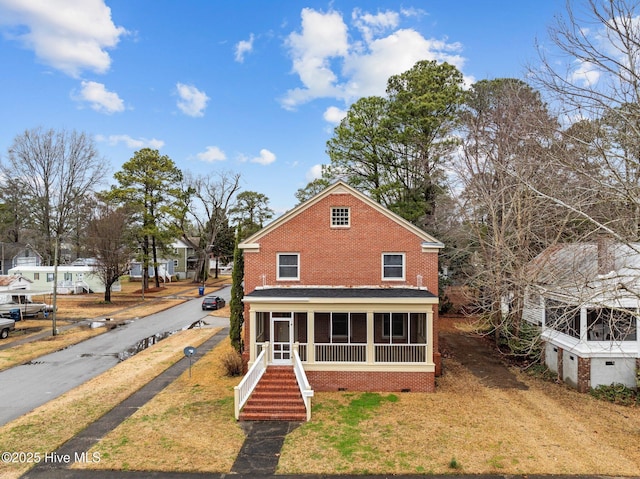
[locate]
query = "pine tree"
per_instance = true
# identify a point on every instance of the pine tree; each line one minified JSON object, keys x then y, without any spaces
{"x":237,"y":292}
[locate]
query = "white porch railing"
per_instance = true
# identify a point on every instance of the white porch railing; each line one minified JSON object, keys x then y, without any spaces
{"x":303,"y":382}
{"x":348,"y":353}
{"x":383,"y":353}
{"x":400,"y":353}
{"x":242,"y":391}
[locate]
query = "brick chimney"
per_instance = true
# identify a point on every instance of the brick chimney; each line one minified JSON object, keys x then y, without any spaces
{"x":606,"y":254}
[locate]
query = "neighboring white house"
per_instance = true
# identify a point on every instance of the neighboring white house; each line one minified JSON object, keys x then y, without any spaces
{"x":14,"y":282}
{"x":72,"y":279}
{"x":586,"y":299}
{"x":165,"y":270}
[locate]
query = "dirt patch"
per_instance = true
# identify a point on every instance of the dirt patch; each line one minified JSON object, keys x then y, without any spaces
{"x":476,"y":354}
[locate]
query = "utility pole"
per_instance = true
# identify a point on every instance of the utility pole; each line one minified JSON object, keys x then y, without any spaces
{"x":55,"y":286}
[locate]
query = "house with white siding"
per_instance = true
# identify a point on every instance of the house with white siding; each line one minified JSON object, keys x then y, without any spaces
{"x":586,"y":299}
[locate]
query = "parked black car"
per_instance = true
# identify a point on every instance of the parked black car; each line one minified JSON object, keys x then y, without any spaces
{"x":212,"y":302}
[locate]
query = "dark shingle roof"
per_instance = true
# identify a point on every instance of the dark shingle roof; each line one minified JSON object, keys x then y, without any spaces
{"x":341,"y":293}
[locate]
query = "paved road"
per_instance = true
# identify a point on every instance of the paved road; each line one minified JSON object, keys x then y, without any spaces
{"x":28,"y":386}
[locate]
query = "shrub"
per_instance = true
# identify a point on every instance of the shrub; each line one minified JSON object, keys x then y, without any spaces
{"x":541,"y":371}
{"x":232,"y":363}
{"x":616,"y":393}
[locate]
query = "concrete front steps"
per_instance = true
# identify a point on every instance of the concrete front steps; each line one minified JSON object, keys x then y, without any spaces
{"x":276,"y":398}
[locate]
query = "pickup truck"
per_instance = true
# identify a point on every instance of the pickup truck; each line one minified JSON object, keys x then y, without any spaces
{"x":6,"y":325}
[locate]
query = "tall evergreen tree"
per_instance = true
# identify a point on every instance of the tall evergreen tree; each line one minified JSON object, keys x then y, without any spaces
{"x":150,"y":184}
{"x":237,"y":292}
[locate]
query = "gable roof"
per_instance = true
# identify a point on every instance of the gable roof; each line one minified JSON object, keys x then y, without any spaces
{"x":575,"y":271}
{"x":571,"y":263}
{"x":8,"y":280}
{"x":340,"y":187}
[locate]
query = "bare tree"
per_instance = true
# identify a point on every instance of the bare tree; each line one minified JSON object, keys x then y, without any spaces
{"x":507,"y":132}
{"x":210,"y":200}
{"x":53,"y":170}
{"x":110,"y":240}
{"x":591,"y":72}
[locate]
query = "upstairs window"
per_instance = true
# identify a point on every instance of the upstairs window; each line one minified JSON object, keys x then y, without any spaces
{"x":340,"y":217}
{"x":393,"y":266}
{"x":289,"y":266}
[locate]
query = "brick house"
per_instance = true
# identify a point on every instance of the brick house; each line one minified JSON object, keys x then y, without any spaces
{"x":349,"y":286}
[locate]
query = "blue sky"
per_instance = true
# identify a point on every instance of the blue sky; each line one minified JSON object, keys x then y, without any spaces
{"x":254,"y":87}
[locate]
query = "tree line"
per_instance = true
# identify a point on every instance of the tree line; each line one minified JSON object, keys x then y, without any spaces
{"x":51,"y":200}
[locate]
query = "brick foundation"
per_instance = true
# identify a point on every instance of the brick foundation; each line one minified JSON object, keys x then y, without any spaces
{"x":371,"y":381}
{"x":584,"y":375}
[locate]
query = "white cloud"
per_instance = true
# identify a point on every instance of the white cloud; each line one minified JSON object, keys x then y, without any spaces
{"x":265,"y":158}
{"x":323,"y":37}
{"x":314,"y":173}
{"x":243,"y":47}
{"x":585,"y":74}
{"x":371,"y":25}
{"x":368,"y":73}
{"x":212,"y":154}
{"x":132,"y":143}
{"x":69,"y":35}
{"x":99,"y":98}
{"x":334,"y":115}
{"x":331,"y":61}
{"x":192,"y":101}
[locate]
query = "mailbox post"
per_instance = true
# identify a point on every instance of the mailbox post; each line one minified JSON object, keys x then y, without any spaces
{"x":189,"y":351}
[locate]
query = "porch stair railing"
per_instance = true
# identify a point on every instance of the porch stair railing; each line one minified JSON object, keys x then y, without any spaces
{"x":282,"y":393}
{"x":242,"y":391}
{"x":275,"y":398}
{"x":303,"y":383}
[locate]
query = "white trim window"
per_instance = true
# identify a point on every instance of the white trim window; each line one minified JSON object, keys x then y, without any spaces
{"x":393,"y":266}
{"x":289,"y":266}
{"x":340,"y":217}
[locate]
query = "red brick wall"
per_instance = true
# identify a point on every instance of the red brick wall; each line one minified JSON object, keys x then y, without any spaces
{"x":341,"y":256}
{"x":371,"y":381}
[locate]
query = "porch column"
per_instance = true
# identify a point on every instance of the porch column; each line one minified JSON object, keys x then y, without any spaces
{"x":429,"y":326}
{"x":583,"y":324}
{"x":370,"y":339}
{"x":311,"y":339}
{"x":252,"y":335}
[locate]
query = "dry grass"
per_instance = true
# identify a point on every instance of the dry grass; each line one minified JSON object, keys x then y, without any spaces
{"x":548,"y":429}
{"x":47,"y":427}
{"x":187,"y":427}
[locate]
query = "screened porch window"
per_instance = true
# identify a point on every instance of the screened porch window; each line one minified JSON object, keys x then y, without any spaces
{"x":340,"y":327}
{"x":563,"y":317}
{"x":607,"y":324}
{"x":400,"y":328}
